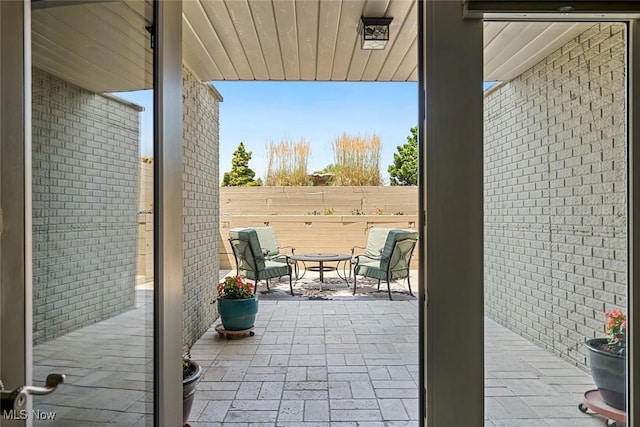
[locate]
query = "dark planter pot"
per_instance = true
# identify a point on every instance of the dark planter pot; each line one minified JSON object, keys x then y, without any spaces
{"x":189,"y":384}
{"x":238,"y":314}
{"x":609,"y":374}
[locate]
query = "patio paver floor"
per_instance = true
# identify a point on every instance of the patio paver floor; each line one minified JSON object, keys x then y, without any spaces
{"x":354,"y":363}
{"x":314,"y":363}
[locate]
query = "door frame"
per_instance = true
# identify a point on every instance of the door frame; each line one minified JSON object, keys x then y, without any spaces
{"x":15,"y":196}
{"x":167,"y":213}
{"x":447,"y":311}
{"x":633,"y":225}
{"x":450,"y":72}
{"x":15,"y":205}
{"x":14,"y":172}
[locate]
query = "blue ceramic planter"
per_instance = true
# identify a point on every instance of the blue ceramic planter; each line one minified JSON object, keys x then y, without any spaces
{"x":238,"y":314}
{"x":609,"y":374}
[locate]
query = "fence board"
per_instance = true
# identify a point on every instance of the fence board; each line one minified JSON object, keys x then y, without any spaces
{"x":306,"y":200}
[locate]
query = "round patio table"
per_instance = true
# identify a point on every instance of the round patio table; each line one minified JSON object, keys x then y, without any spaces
{"x":321,"y":258}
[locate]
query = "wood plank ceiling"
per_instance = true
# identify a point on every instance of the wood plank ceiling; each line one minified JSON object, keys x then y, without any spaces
{"x":510,"y":48}
{"x":104,"y":46}
{"x":297,"y":40}
{"x":320,"y":40}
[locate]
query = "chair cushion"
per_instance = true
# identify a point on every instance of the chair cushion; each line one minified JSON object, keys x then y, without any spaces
{"x":370,"y":269}
{"x":378,"y":268}
{"x":249,"y":236}
{"x":272,"y":269}
{"x":375,"y":241}
{"x":268,"y":240}
{"x":393,"y":236}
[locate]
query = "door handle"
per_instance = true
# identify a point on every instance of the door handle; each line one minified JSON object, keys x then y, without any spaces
{"x":17,"y":399}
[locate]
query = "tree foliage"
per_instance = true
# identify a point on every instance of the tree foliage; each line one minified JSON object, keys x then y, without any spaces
{"x":240,"y":175}
{"x":404,"y":170}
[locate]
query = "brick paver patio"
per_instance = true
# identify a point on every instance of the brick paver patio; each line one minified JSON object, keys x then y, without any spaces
{"x":354,"y":363}
{"x":318,"y":363}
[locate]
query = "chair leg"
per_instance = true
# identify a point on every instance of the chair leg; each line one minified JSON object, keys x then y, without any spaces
{"x":378,"y":284}
{"x":354,"y":283}
{"x":291,"y":283}
{"x":389,"y":289}
{"x":267,"y":280}
{"x":409,"y":283}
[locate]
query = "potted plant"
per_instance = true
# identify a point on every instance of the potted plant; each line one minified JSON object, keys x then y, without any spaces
{"x":237,"y":304}
{"x":607,"y":360}
{"x":191,"y":373}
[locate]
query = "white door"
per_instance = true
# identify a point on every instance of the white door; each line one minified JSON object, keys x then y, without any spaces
{"x":450,"y":61}
{"x":77,"y":290}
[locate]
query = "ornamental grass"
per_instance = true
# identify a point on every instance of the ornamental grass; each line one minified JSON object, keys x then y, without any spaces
{"x":287,"y":165}
{"x":357,"y":160}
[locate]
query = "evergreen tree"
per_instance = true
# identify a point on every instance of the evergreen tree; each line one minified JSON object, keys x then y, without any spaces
{"x":240,"y":175}
{"x":404,"y":170}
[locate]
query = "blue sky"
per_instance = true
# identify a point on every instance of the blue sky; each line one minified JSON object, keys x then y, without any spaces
{"x":257,"y":113}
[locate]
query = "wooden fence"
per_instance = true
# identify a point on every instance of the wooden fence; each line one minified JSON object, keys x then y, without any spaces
{"x":318,"y":200}
{"x":312,"y":219}
{"x":316,"y":219}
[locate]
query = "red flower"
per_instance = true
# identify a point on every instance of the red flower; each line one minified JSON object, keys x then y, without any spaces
{"x":234,"y":287}
{"x":617,"y":329}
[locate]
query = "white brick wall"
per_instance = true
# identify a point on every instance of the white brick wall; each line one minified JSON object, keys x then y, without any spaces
{"x":555,"y":194}
{"x":85,"y":157}
{"x":200,"y":205}
{"x":86,"y":205}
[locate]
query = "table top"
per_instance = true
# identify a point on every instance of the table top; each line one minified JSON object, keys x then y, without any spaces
{"x":320,"y":257}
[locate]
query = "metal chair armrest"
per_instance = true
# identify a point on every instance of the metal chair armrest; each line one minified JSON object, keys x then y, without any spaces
{"x":293,"y":249}
{"x":353,"y":249}
{"x":356,"y":260}
{"x":287,"y":258}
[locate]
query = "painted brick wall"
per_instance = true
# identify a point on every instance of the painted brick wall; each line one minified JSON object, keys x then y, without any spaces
{"x":200,"y":205}
{"x":555,"y":194}
{"x":85,"y":162}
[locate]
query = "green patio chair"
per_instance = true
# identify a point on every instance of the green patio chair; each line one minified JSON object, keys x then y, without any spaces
{"x":375,"y":242}
{"x":271,"y":248}
{"x":390,"y":263}
{"x":251,"y":262}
